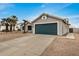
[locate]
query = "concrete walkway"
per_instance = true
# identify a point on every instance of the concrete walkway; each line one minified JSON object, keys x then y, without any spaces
{"x":29,"y":45}
{"x":70,"y":36}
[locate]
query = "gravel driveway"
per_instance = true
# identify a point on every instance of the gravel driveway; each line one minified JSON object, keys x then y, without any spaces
{"x":28,"y":45}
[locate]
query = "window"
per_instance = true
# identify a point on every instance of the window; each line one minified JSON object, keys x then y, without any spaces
{"x":44,"y":17}
{"x":29,"y":27}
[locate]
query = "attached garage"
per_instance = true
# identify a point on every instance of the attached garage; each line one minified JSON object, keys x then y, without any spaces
{"x":50,"y":25}
{"x":49,"y":28}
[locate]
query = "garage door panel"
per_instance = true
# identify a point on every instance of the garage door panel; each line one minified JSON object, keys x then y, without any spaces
{"x":50,"y":28}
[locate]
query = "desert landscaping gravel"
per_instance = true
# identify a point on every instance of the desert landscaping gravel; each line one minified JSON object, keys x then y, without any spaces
{"x":63,"y":47}
{"x":5,"y":36}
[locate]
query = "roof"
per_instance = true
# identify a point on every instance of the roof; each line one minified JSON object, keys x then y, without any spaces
{"x":56,"y":17}
{"x":27,"y":22}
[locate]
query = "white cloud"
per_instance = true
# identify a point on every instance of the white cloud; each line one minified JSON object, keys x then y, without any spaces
{"x":46,"y":7}
{"x":74,"y":25}
{"x":4,"y":6}
{"x":74,"y":21}
{"x":74,"y":16}
{"x":62,"y":7}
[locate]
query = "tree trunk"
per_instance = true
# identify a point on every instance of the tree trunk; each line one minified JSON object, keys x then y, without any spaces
{"x":11,"y":28}
{"x":7,"y":27}
{"x":24,"y":28}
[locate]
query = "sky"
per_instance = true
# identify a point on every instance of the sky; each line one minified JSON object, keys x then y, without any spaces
{"x":30,"y":11}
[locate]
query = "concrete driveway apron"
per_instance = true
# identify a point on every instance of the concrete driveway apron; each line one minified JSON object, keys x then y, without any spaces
{"x":28,"y":45}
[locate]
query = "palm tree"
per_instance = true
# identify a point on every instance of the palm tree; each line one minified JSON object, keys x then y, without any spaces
{"x":5,"y":22}
{"x":10,"y":22}
{"x":14,"y":21}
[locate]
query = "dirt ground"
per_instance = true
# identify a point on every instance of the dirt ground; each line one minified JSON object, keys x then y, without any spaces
{"x":63,"y":47}
{"x":59,"y":47}
{"x":10,"y":35}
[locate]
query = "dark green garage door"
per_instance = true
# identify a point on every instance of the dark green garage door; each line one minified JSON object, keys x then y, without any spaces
{"x":50,"y":28}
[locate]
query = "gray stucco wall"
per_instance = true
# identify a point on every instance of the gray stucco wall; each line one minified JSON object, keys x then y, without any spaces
{"x":61,"y":27}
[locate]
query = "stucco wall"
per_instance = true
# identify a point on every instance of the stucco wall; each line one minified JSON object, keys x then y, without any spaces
{"x":62,"y":28}
{"x":27,"y":27}
{"x":2,"y":28}
{"x":65,"y":28}
{"x":44,"y":21}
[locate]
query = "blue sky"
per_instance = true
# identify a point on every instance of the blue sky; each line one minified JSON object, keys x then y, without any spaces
{"x":30,"y":11}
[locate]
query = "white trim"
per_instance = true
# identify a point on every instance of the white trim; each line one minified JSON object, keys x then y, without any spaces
{"x":33,"y":29}
{"x":46,"y":22}
{"x":58,"y":28}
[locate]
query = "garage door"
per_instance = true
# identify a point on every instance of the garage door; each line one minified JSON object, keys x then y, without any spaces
{"x":50,"y":28}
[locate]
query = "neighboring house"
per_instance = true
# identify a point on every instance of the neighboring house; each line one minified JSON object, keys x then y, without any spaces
{"x":17,"y":27}
{"x":52,"y":25}
{"x":28,"y":27}
{"x":3,"y":27}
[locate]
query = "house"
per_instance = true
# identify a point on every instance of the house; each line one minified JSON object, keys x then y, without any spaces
{"x":3,"y":27}
{"x":28,"y":27}
{"x":52,"y":25}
